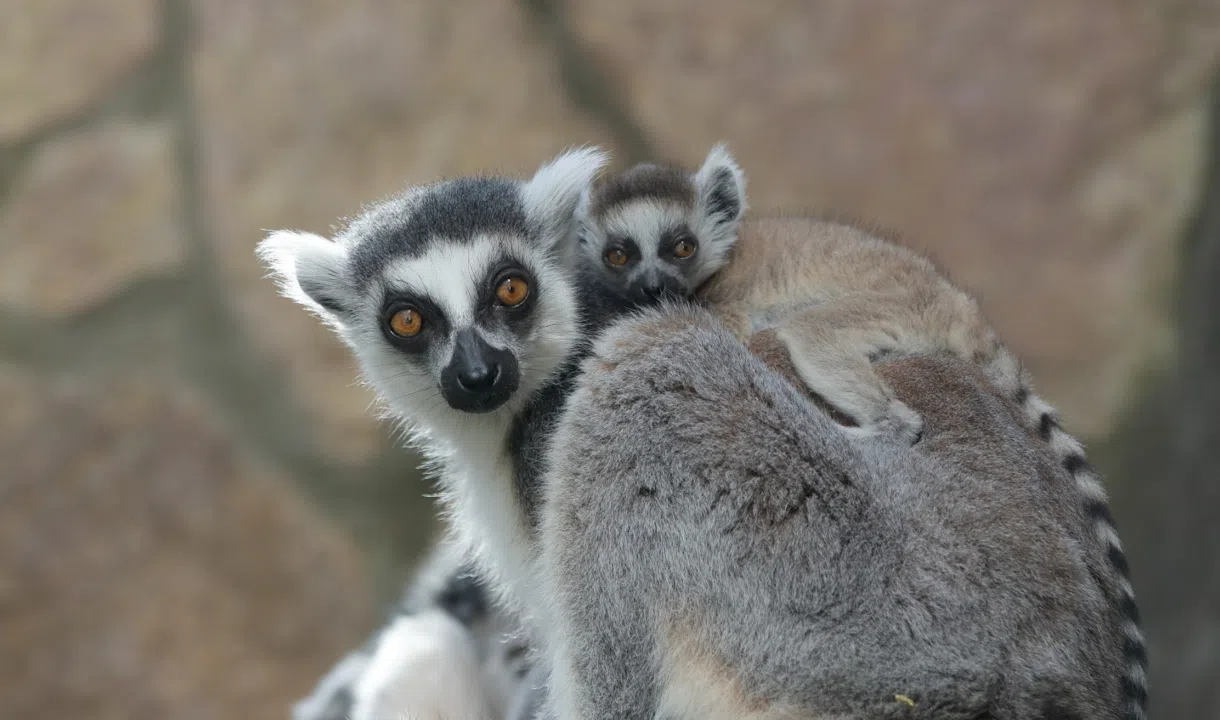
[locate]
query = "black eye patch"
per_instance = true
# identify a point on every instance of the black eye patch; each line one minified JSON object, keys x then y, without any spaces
{"x":435,"y":324}
{"x":507,"y":267}
{"x":671,"y":237}
{"x":624,"y":244}
{"x":494,"y":313}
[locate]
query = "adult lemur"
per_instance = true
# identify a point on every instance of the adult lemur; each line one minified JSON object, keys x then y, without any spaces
{"x":750,"y":558}
{"x":836,"y":299}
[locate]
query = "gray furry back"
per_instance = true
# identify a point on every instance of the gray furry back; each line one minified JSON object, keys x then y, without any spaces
{"x":718,"y":548}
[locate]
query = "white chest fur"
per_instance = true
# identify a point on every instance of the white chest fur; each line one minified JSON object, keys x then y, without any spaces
{"x":479,"y":492}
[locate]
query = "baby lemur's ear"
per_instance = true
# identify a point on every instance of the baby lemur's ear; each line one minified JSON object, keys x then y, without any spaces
{"x":551,"y":197}
{"x":309,"y":269}
{"x":721,"y":187}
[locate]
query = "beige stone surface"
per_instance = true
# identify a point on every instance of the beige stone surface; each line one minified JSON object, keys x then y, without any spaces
{"x":312,"y":109}
{"x":152,"y":568}
{"x":974,"y":128}
{"x":93,"y":211}
{"x":56,"y":56}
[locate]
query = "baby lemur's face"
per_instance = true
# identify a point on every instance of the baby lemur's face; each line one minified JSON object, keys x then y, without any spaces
{"x":453,"y":295}
{"x":654,"y":232}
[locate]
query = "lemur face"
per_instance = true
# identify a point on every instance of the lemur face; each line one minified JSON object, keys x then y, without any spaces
{"x":471,"y":319}
{"x":654,"y":231}
{"x":452,"y":295}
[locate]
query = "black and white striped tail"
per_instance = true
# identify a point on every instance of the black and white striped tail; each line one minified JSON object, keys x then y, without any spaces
{"x":1071,"y":454}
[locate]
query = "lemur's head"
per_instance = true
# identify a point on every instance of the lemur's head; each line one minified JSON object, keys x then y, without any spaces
{"x":657,"y":231}
{"x":452,"y":295}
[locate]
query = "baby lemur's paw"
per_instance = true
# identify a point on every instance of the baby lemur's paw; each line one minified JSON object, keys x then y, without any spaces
{"x":899,"y":421}
{"x":904,"y":422}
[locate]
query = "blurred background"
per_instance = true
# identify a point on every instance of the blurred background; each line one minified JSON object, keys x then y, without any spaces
{"x":198,"y":511}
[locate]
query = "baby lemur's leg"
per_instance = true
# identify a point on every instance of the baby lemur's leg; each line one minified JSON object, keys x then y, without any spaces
{"x":833,"y":348}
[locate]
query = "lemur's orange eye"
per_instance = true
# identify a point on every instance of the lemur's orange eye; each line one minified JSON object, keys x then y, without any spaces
{"x":512,"y":290}
{"x":616,"y":257}
{"x":406,"y":323}
{"x":685,"y":248}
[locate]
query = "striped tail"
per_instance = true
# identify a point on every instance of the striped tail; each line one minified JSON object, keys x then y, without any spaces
{"x":1071,"y":454}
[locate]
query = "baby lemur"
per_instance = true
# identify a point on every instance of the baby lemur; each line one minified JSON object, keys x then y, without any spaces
{"x":836,"y":297}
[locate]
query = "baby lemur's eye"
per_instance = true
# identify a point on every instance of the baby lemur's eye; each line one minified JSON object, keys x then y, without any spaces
{"x":685,"y":247}
{"x":616,"y":257}
{"x":512,"y":290}
{"x":406,"y":323}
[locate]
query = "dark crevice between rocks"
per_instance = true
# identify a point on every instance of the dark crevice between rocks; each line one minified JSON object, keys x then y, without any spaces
{"x":379,"y":503}
{"x":587,"y":86}
{"x":1164,"y":465}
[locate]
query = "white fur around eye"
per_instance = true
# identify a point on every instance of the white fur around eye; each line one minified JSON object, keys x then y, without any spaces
{"x":644,"y":221}
{"x":449,"y":274}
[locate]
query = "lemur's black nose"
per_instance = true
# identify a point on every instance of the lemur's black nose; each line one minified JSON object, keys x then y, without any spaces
{"x":479,"y":376}
{"x":654,"y":290}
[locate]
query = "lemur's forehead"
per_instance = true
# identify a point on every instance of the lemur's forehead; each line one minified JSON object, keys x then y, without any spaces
{"x":432,"y":222}
{"x":643,"y":182}
{"x":645,"y":220}
{"x":455,"y":275}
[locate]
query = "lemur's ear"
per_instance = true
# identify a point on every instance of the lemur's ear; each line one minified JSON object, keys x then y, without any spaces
{"x":552,"y":195}
{"x":309,"y":269}
{"x":584,"y":221}
{"x":721,"y":186}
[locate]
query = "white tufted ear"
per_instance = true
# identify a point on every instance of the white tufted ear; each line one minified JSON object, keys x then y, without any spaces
{"x":551,"y":197}
{"x":584,"y":221}
{"x":721,"y":186}
{"x":309,"y":269}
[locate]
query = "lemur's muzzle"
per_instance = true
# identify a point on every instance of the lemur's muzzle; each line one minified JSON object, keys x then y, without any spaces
{"x":479,"y":378}
{"x":658,"y":287}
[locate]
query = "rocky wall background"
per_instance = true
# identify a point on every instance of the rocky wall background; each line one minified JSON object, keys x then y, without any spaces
{"x":198,"y":512}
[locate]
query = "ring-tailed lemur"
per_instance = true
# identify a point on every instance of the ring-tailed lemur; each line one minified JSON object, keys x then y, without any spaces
{"x":456,"y":299}
{"x":718,"y":549}
{"x":837,"y":297}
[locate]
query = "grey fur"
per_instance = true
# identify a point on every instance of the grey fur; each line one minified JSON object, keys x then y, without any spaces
{"x":839,"y":299}
{"x":456,"y":210}
{"x":656,"y":182}
{"x":706,"y":524}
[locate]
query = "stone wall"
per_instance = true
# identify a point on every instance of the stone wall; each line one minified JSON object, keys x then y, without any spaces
{"x":199,"y":512}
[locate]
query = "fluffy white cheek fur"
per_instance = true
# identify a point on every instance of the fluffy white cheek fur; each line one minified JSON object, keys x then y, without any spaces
{"x":555,"y":332}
